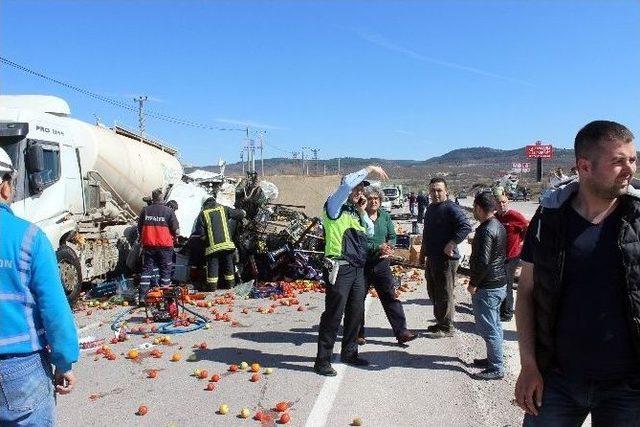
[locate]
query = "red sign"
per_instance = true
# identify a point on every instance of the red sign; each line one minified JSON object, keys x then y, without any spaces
{"x":539,"y":151}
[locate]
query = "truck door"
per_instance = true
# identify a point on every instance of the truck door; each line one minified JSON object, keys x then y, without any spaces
{"x":70,"y":172}
{"x":45,"y":202}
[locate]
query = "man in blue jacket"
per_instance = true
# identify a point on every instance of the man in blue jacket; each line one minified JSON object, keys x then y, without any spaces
{"x":34,"y":315}
{"x":445,"y":227}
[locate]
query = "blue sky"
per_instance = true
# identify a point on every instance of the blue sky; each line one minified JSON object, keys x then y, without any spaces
{"x":391,"y":79}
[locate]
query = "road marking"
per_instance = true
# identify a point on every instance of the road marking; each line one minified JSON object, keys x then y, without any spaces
{"x":329,"y":390}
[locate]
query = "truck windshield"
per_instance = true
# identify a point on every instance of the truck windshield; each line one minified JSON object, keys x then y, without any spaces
{"x":390,"y":192}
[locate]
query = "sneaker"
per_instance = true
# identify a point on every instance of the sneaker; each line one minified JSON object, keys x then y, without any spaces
{"x":324,"y":369}
{"x":407,"y":336}
{"x":488,"y":375}
{"x":361,"y":341}
{"x":481,"y":363}
{"x":354,"y":361}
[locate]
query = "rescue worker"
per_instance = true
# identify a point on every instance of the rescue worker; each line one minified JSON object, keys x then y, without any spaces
{"x":158,"y":227}
{"x":249,"y":195}
{"x":213,"y":227}
{"x":346,"y":227}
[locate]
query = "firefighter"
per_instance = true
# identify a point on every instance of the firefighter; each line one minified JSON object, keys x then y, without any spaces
{"x":157,"y":228}
{"x":213,"y":227}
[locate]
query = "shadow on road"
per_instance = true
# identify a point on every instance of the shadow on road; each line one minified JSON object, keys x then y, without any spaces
{"x":233,"y":355}
{"x":470,"y":328}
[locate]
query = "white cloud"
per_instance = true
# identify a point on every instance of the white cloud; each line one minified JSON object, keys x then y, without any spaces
{"x":380,"y":41}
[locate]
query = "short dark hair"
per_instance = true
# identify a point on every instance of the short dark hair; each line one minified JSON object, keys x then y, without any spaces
{"x":7,"y":176}
{"x":437,"y":180}
{"x":486,"y":200}
{"x":173,"y":204}
{"x":590,"y":137}
{"x":156,"y":195}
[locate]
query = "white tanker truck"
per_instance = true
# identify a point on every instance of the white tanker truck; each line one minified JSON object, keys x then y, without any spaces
{"x":82,"y":184}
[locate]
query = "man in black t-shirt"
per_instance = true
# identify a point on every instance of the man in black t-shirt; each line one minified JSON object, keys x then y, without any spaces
{"x":578,"y":306}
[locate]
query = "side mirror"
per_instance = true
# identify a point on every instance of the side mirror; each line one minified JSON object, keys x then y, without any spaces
{"x":35,"y":159}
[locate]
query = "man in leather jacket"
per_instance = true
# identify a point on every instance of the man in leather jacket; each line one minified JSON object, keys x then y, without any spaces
{"x":578,"y":305}
{"x":487,"y":284}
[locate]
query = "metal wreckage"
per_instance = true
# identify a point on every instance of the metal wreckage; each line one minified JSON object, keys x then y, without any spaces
{"x":275,"y":242}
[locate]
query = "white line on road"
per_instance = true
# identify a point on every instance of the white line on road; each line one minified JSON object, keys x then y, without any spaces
{"x":329,"y":390}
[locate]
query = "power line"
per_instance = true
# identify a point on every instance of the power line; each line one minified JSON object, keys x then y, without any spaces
{"x":114,"y":102}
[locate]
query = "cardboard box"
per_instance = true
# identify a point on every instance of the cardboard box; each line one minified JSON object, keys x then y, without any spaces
{"x":414,"y":253}
{"x":404,"y":253}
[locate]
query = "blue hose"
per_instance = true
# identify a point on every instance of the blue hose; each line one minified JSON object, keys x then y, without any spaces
{"x":165,"y":328}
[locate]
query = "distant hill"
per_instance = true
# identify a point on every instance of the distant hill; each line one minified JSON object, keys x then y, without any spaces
{"x":462,"y":162}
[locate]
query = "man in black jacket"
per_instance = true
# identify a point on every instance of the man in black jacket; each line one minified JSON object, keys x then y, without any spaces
{"x":578,"y":306}
{"x":487,"y":284}
{"x":445,"y":226}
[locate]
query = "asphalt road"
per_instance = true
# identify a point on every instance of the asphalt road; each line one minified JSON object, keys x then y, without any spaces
{"x":426,"y":383}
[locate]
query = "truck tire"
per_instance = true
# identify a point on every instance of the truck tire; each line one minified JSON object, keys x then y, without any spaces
{"x":70,"y":272}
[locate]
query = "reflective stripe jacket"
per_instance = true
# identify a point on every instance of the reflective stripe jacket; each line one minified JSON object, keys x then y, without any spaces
{"x":157,"y":225}
{"x":213,"y":225}
{"x":34,"y":311}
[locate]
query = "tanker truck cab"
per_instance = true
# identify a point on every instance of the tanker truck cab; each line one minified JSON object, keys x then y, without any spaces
{"x":48,"y":185}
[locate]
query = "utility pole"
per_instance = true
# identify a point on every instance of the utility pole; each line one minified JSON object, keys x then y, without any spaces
{"x":294,"y":157}
{"x":261,"y":158}
{"x":338,"y":165}
{"x":315,"y":157}
{"x":141,"y":100}
{"x":305,"y":148}
{"x":242,"y":160}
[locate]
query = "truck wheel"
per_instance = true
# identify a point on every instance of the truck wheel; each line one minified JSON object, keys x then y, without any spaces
{"x":70,"y":272}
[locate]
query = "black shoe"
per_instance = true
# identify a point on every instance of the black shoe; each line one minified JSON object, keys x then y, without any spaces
{"x":354,"y":361}
{"x":361,"y":341}
{"x":489,"y":374}
{"x":433,"y":328}
{"x":325,"y":369}
{"x":441,"y":332}
{"x":481,"y":363}
{"x":406,"y":336}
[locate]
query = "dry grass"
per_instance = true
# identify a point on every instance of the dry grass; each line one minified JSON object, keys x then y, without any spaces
{"x":310,"y":191}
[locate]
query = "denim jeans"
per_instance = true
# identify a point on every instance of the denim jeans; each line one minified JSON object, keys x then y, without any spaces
{"x":26,"y":391}
{"x":567,"y":401}
{"x":486,"y":311}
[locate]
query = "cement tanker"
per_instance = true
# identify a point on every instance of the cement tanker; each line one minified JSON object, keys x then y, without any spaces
{"x":82,"y":184}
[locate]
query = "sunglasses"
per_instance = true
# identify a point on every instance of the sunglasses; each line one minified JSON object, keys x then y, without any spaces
{"x":373,"y":198}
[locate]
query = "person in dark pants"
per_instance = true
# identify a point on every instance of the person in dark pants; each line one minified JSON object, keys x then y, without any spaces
{"x":377,"y":270}
{"x":158,"y":228}
{"x":445,"y":226}
{"x":578,"y":305}
{"x":346,"y":227}
{"x":516,"y":225}
{"x":423,"y":202}
{"x":487,"y":284}
{"x":213,"y":227}
{"x":412,"y":203}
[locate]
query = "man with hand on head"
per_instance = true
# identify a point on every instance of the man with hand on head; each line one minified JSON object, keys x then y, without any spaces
{"x":346,"y":227}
